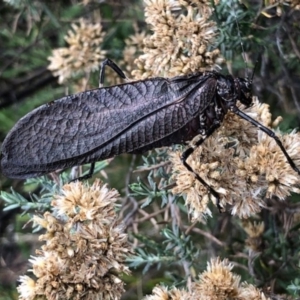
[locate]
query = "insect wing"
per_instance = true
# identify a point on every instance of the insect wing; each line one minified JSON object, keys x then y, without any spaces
{"x":98,"y":124}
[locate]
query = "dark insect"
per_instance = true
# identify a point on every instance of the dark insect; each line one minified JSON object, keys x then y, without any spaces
{"x":131,"y":117}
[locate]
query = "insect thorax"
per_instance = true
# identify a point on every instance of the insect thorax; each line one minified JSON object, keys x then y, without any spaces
{"x":231,"y":89}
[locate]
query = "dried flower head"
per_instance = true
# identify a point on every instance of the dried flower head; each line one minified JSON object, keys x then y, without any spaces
{"x":181,"y":39}
{"x":163,"y":293}
{"x":250,"y":292}
{"x":254,"y":231}
{"x":133,"y":49}
{"x":82,"y":84}
{"x":84,"y":249}
{"x":243,"y":164}
{"x":27,"y":288}
{"x":217,"y":282}
{"x":83,"y":54}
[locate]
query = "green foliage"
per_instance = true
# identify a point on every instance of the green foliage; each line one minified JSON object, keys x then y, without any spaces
{"x":174,"y":248}
{"x":46,"y":188}
{"x":294,"y":288}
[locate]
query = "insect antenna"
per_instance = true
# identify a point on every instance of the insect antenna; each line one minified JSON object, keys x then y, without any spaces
{"x":242,"y":45}
{"x":253,"y":72}
{"x":270,"y":133}
{"x":244,"y":116}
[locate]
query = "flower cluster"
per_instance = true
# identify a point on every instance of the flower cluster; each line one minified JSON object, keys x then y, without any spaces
{"x":241,"y":163}
{"x":163,"y":293}
{"x":217,"y":282}
{"x":85,"y":247}
{"x":83,"y":54}
{"x":133,"y":48}
{"x":181,"y":39}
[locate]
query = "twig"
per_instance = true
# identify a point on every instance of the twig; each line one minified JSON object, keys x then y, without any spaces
{"x":207,"y":235}
{"x":162,"y":164}
{"x":149,"y":216}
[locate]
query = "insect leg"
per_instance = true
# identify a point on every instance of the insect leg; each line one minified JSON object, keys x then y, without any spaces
{"x":88,"y":175}
{"x":189,"y":151}
{"x":115,"y":67}
{"x":269,"y":132}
